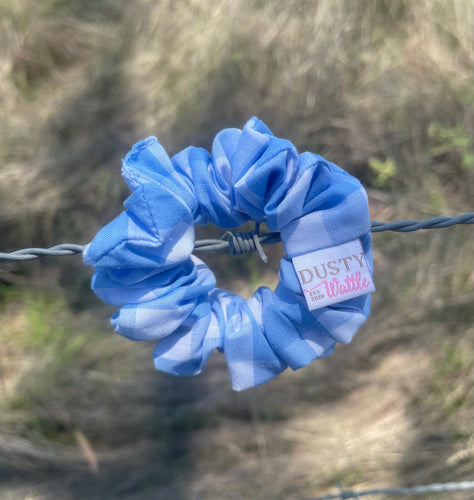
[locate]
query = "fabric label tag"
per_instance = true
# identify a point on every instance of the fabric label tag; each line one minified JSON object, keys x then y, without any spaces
{"x":333,"y":274}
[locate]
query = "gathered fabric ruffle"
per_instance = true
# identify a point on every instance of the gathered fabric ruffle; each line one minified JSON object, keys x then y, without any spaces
{"x":144,"y":262}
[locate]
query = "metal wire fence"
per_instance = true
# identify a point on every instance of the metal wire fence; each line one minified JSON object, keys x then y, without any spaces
{"x":240,"y":243}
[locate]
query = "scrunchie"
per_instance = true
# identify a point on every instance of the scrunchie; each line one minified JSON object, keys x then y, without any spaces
{"x":144,"y":262}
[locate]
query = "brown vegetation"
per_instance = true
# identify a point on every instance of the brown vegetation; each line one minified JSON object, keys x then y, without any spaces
{"x":383,"y":88}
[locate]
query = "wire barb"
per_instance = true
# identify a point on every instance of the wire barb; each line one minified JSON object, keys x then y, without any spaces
{"x":242,"y":243}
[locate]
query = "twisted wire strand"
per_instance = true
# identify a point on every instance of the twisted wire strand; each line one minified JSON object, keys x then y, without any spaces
{"x":242,"y":243}
{"x":36,"y":253}
{"x":417,"y":490}
{"x":406,"y":226}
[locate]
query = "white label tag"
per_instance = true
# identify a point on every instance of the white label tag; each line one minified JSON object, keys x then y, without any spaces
{"x":333,"y":274}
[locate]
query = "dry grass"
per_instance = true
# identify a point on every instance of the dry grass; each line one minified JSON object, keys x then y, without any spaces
{"x":384,"y":89}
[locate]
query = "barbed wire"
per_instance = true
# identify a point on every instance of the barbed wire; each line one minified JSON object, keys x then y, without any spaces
{"x":241,"y":243}
{"x":417,"y":490}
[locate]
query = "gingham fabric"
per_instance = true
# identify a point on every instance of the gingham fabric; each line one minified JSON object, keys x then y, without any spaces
{"x":144,"y":264}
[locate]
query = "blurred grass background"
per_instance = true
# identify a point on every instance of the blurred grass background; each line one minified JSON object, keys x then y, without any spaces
{"x":383,"y":88}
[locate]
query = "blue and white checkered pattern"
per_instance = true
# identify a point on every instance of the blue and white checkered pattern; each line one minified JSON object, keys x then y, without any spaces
{"x":144,"y":264}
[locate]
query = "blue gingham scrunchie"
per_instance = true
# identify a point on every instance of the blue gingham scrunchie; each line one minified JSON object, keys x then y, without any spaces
{"x":144,"y":263}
